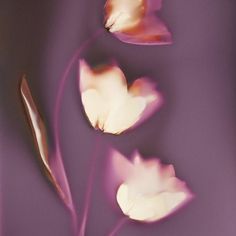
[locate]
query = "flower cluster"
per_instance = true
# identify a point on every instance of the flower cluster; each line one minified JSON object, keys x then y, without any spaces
{"x":146,"y":189}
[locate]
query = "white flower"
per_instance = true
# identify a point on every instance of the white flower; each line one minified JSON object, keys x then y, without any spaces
{"x":148,"y":190}
{"x":135,"y":21}
{"x":109,"y":104}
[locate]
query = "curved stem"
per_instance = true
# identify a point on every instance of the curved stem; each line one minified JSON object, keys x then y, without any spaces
{"x":118,"y":226}
{"x":62,"y":83}
{"x":59,"y":96}
{"x":89,"y":187}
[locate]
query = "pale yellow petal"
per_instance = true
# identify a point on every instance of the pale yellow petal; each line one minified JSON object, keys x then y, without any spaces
{"x":148,"y":208}
{"x":109,"y":81}
{"x":102,"y":90}
{"x":123,"y":14}
{"x":85,"y":76}
{"x":95,"y":108}
{"x":125,"y":114}
{"x":122,"y":198}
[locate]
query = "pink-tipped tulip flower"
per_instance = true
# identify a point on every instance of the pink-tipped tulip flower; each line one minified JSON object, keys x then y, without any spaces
{"x":135,"y":21}
{"x":112,"y":106}
{"x":148,"y":190}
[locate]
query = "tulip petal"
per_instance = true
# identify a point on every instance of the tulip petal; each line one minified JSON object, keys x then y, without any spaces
{"x":122,"y":15}
{"x":95,"y":108}
{"x":121,"y":167}
{"x":108,"y":103}
{"x":51,"y":164}
{"x":151,"y":31}
{"x":125,"y":115}
{"x":137,"y":208}
{"x":149,"y":209}
{"x":143,"y":87}
{"x":107,"y":80}
{"x":148,"y":190}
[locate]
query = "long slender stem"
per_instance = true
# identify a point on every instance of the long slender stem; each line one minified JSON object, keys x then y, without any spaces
{"x":118,"y":226}
{"x":62,"y":83}
{"x":89,"y":186}
{"x":59,"y":96}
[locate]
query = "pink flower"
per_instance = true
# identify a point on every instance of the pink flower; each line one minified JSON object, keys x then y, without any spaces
{"x":135,"y":21}
{"x":148,"y":190}
{"x":109,"y":104}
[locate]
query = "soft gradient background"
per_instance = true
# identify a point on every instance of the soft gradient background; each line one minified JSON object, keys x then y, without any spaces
{"x":195,"y":129}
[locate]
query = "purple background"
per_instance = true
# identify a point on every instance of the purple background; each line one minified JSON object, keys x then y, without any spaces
{"x":194,"y":130}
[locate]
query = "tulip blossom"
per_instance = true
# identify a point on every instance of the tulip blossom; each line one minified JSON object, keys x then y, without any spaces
{"x":135,"y":21}
{"x":148,"y":190}
{"x":109,"y":104}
